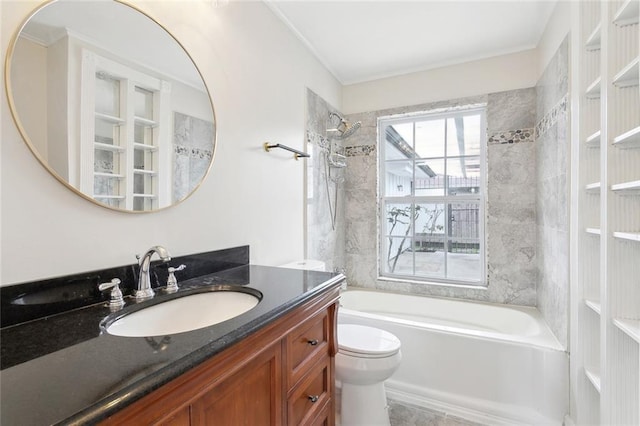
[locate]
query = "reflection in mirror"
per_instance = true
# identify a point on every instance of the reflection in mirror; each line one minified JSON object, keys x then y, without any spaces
{"x":111,"y":104}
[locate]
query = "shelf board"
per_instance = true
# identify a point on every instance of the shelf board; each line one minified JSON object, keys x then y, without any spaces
{"x":593,"y":305}
{"x":108,"y":175}
{"x":593,"y":187}
{"x":593,"y":231}
{"x":629,"y":75}
{"x":630,"y":236}
{"x":108,"y":197}
{"x":627,"y":14}
{"x":629,"y":327}
{"x":109,"y":118}
{"x":145,"y":121}
{"x":593,"y":41}
{"x":145,"y":146}
{"x":593,"y":141}
{"x":627,"y":187}
{"x":593,"y":377}
{"x":145,"y":172}
{"x":107,"y":147}
{"x":630,"y":139}
{"x":593,"y":91}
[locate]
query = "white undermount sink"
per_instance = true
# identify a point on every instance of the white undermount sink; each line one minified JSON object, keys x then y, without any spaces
{"x":184,"y":313}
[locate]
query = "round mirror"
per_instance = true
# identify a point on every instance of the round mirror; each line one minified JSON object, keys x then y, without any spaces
{"x":111,"y":104}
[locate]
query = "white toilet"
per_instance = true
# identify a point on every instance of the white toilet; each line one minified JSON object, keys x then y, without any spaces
{"x":366,"y":357}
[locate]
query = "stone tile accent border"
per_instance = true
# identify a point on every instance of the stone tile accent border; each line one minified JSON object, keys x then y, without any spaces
{"x":193,"y":152}
{"x":551,"y":118}
{"x":361,"y":150}
{"x":317,"y":140}
{"x":511,"y":136}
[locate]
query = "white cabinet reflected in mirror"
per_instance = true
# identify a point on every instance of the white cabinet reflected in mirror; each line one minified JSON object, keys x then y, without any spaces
{"x":111,"y":104}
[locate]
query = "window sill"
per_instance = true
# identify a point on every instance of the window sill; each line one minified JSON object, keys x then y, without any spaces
{"x":479,"y":286}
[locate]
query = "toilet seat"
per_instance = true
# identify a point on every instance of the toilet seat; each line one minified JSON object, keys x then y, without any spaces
{"x":366,"y":342}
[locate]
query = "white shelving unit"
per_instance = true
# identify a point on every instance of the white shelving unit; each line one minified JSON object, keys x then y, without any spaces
{"x":606,"y":352}
{"x":593,"y":141}
{"x":593,"y":90}
{"x":630,"y":139}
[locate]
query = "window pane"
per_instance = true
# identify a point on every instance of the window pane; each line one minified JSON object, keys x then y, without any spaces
{"x":430,"y":138}
{"x":106,"y":161}
{"x":429,"y":244}
{"x":463,"y":257}
{"x":397,"y":256}
{"x":143,"y":134}
{"x":430,"y":223}
{"x":107,"y":96}
{"x":103,"y":185}
{"x":398,"y":178}
{"x":398,"y":219}
{"x":463,"y":135}
{"x":143,"y":100}
{"x":430,"y":177}
{"x":464,"y":175}
{"x":142,"y":159}
{"x":106,"y":132}
{"x":399,"y":141}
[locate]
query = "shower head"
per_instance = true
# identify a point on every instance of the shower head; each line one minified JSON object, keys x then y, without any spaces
{"x":343,"y":129}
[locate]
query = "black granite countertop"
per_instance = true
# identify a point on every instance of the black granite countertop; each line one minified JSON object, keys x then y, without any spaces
{"x":64,"y":369}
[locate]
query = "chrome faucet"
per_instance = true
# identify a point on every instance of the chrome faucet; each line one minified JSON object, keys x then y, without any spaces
{"x":144,"y":290}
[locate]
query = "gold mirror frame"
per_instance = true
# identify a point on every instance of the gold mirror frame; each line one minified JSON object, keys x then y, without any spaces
{"x":44,"y":162}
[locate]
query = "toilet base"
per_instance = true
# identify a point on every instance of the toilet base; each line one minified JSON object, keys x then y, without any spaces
{"x":364,"y":405}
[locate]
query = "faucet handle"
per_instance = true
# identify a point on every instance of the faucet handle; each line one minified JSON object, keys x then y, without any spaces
{"x":179,"y":268}
{"x":172,"y":282}
{"x":116,"y":301}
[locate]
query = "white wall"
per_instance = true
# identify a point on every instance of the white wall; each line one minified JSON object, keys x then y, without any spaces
{"x":497,"y":74}
{"x":257,"y":73}
{"x":554,"y":33}
{"x":33,"y":84}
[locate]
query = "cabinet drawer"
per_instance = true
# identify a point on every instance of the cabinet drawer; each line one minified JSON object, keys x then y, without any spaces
{"x":326,"y":417}
{"x":311,"y":395}
{"x":305,"y":343}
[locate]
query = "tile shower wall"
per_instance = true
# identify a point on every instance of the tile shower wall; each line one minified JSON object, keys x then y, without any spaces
{"x":552,"y":146}
{"x":325,"y":237}
{"x":511,"y":224}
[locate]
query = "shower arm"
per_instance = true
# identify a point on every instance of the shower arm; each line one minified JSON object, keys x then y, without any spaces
{"x":296,"y":154}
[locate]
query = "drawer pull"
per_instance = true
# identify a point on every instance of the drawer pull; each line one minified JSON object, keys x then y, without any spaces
{"x":313,"y":398}
{"x":313,"y":342}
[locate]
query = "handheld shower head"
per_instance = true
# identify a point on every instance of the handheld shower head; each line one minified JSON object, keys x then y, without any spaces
{"x":343,"y":129}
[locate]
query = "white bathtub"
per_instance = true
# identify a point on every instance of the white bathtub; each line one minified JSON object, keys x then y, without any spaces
{"x":494,"y":364}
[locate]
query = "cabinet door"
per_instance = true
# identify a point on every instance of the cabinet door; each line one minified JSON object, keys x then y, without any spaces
{"x":251,"y":397}
{"x":180,"y":418}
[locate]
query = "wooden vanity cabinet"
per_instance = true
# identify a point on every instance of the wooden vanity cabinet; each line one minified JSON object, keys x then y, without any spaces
{"x":283,"y":374}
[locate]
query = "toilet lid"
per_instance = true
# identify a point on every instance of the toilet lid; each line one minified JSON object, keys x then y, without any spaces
{"x":360,"y":339}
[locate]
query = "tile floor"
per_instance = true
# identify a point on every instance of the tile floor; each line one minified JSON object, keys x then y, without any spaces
{"x":402,"y":414}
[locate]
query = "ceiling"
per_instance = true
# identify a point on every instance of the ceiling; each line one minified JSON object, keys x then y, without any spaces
{"x":366,"y":40}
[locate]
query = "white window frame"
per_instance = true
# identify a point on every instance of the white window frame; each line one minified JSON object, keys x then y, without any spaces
{"x":480,"y":198}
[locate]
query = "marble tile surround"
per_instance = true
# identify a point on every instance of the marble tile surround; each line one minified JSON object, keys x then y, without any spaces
{"x":511,"y":230}
{"x":324,"y":241}
{"x":527,"y":211}
{"x":552,"y":210}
